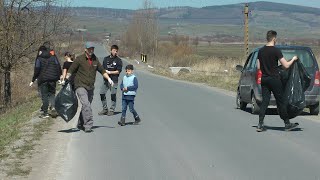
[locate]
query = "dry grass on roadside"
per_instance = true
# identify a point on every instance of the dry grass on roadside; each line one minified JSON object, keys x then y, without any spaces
{"x":225,"y":82}
{"x":213,"y":71}
{"x":217,"y":66}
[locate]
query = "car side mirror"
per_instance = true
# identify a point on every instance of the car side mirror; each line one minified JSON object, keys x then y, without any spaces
{"x":239,"y":68}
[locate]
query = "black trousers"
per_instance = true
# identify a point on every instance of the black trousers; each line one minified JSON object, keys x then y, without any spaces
{"x":48,"y":91}
{"x":273,"y":84}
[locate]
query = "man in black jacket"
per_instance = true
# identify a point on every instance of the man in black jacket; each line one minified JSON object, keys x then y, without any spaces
{"x":268,"y":58}
{"x":113,"y":66}
{"x":47,"y":72}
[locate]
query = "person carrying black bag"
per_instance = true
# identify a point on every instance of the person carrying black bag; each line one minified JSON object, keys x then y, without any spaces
{"x":268,"y":58}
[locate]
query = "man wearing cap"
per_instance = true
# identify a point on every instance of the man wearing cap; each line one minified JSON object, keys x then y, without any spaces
{"x":84,"y":68}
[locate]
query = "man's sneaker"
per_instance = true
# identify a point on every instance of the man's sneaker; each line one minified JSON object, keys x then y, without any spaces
{"x":44,"y":115}
{"x":122,"y":121}
{"x":88,"y":130}
{"x":103,"y":112}
{"x":137,"y":120}
{"x":261,"y":127}
{"x":111,"y":112}
{"x":290,"y":126}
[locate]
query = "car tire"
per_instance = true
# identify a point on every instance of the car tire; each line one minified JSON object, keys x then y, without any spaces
{"x":255,"y":106}
{"x":314,"y":109}
{"x":240,"y":104}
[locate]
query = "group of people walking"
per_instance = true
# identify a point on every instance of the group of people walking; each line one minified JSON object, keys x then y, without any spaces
{"x":80,"y":72}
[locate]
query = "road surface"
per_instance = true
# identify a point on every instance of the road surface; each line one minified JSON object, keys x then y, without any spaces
{"x":189,"y":131}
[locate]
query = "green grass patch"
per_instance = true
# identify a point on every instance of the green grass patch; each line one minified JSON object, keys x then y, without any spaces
{"x":17,"y":168}
{"x":13,"y":120}
{"x":11,"y":124}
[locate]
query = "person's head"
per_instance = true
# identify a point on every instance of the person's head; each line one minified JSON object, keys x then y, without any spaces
{"x":47,"y":44}
{"x":129,"y":69}
{"x":52,"y":52}
{"x":272,"y":36}
{"x":41,"y":50}
{"x":89,"y":49}
{"x":68,"y":56}
{"x":114,"y":50}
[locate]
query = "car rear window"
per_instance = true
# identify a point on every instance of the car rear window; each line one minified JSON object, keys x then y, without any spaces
{"x":304,"y":55}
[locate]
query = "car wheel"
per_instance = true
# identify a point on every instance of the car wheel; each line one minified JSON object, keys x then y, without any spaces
{"x":240,"y":104}
{"x":255,"y":106}
{"x":314,"y":109}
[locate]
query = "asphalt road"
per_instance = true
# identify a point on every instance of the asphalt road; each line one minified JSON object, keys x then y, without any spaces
{"x":189,"y":131}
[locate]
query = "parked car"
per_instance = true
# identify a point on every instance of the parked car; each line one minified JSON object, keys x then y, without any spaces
{"x":249,"y":88}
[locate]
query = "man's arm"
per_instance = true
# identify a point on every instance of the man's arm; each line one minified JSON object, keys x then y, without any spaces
{"x":100,"y":69}
{"x":106,"y":76}
{"x":118,"y":68}
{"x":73,"y":68}
{"x":37,"y":70}
{"x":121,"y":86}
{"x":286,"y":64}
{"x":58,"y":65}
{"x":104,"y":73}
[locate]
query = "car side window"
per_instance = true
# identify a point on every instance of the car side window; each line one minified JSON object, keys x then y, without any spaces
{"x":247,"y":64}
{"x":253,"y":64}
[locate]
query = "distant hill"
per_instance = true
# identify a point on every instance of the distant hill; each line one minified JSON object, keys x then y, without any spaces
{"x":291,"y":21}
{"x":262,"y":13}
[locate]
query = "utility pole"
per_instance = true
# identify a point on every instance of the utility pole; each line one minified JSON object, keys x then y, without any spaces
{"x":246,"y":29}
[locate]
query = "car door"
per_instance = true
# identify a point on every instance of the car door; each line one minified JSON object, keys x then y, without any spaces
{"x":252,"y":72}
{"x":245,"y":81}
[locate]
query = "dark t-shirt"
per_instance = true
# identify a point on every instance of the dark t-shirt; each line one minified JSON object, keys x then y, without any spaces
{"x":66,"y":65}
{"x":268,"y":57}
{"x":113,"y":64}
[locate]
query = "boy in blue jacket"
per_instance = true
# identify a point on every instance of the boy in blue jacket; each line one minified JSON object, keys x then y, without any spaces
{"x":129,"y":88}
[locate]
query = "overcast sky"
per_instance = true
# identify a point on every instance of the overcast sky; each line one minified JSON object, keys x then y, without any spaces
{"x":135,"y":4}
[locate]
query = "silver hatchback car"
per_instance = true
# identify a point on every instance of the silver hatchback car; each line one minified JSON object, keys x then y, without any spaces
{"x":249,"y":88}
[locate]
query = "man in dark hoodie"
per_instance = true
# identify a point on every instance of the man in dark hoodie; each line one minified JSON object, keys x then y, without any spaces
{"x":47,"y":72}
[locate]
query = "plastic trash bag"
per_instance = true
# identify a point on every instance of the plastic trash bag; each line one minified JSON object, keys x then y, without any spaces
{"x":296,"y":81}
{"x":66,"y":102}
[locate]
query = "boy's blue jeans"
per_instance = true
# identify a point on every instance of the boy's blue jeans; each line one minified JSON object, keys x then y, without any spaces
{"x":125,"y":104}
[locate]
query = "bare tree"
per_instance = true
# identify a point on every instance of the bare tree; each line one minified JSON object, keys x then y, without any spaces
{"x":24,"y":25}
{"x":195,"y":41}
{"x":142,"y":33}
{"x":176,"y":39}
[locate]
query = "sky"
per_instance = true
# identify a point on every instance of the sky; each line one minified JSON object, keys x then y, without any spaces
{"x":136,"y":4}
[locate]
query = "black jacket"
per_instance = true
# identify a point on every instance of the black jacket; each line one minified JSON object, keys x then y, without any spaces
{"x":47,"y":68}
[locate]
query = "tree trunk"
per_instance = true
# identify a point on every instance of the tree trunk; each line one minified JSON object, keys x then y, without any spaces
{"x":1,"y":95}
{"x":7,"y":87}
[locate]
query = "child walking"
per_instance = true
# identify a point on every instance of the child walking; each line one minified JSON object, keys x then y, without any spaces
{"x":129,"y":88}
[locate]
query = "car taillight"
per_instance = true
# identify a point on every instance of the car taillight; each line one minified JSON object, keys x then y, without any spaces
{"x":317,"y":79}
{"x":258,"y":76}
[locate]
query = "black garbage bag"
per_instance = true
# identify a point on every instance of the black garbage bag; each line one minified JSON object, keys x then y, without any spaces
{"x":66,"y":102}
{"x":296,"y":81}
